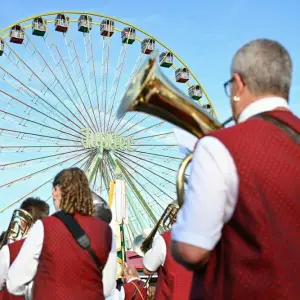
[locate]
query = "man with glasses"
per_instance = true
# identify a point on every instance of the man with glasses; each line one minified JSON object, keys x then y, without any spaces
{"x":242,"y":211}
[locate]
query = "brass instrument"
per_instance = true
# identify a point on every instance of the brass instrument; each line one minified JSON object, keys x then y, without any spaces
{"x":142,"y":244}
{"x":20,"y":223}
{"x":152,"y":92}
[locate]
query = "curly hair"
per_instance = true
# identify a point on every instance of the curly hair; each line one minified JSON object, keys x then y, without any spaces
{"x":76,"y":196}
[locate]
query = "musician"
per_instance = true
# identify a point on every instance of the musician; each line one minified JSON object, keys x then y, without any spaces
{"x":38,"y":209}
{"x":242,"y":210}
{"x":133,"y":288}
{"x":174,"y":281}
{"x":52,"y":256}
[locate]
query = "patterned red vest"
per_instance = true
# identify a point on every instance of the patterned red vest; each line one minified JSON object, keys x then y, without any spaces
{"x":14,"y":249}
{"x":66,"y":271}
{"x":130,"y":288}
{"x":174,"y":281}
{"x":258,"y":255}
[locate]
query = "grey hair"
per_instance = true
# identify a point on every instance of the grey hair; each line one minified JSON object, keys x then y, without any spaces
{"x":265,"y":66}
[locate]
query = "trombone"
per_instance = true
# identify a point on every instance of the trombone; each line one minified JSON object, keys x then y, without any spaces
{"x":152,"y":92}
{"x":142,"y":244}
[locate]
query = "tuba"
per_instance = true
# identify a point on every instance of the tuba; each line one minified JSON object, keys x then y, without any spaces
{"x":20,"y":223}
{"x":152,"y":92}
{"x":142,"y":244}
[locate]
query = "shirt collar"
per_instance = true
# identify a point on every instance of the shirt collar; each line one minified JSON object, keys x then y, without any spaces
{"x":132,"y":279}
{"x":262,"y":105}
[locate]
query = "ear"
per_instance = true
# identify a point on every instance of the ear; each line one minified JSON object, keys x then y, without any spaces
{"x":239,"y":83}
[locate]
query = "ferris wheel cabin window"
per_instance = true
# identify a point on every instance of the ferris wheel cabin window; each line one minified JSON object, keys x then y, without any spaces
{"x":17,"y":34}
{"x":85,"y":23}
{"x":128,"y":35}
{"x":182,"y":75}
{"x":166,"y":59}
{"x":148,"y":45}
{"x":107,"y":27}
{"x":208,"y":108}
{"x":195,"y":92}
{"x":62,"y":23}
{"x":39,"y":26}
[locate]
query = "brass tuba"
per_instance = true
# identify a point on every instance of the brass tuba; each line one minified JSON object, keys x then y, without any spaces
{"x":152,"y":92}
{"x":142,"y":244}
{"x":20,"y":223}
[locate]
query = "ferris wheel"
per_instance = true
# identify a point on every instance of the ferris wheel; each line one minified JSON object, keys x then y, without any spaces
{"x":62,"y":76}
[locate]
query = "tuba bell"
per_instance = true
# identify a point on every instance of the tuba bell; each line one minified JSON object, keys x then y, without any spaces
{"x":19,"y":225}
{"x":152,"y":92}
{"x":142,"y":243}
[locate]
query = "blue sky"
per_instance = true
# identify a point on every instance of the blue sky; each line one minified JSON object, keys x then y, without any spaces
{"x":204,"y":34}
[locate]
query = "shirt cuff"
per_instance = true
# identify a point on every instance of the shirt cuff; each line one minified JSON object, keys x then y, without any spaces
{"x":193,"y":239}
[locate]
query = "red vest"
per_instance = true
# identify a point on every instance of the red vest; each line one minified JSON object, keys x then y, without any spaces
{"x":130,"y":288}
{"x":66,"y":271}
{"x":258,"y":254}
{"x":14,"y":249}
{"x":174,"y":281}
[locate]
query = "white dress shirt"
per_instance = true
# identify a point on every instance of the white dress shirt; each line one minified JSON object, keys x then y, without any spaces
{"x":24,"y":268}
{"x":4,"y":265}
{"x":213,"y":186}
{"x":156,"y":256}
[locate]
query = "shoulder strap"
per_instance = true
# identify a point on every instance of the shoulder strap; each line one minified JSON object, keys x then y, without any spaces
{"x":137,"y":290}
{"x":79,"y":235}
{"x":284,"y":127}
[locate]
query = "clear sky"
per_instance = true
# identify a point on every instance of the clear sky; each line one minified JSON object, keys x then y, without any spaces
{"x":204,"y":34}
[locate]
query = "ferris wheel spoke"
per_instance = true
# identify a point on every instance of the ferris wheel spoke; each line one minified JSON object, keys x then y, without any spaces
{"x":139,"y":158}
{"x":38,"y":159}
{"x":32,"y":136}
{"x":29,"y":176}
{"x":45,"y":86}
{"x":35,"y":189}
{"x":146,"y":179}
{"x":22,"y":148}
{"x":146,"y":169}
{"x":56,"y":82}
{"x":145,"y":129}
{"x":30,"y":108}
{"x":130,"y":179}
{"x":132,"y":126}
{"x":24,"y":121}
{"x":91,"y":69}
{"x":116,"y":82}
{"x":78,"y":72}
{"x":59,"y":61}
{"x":8,"y":77}
{"x":153,"y":136}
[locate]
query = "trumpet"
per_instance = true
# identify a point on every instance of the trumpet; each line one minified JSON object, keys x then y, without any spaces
{"x":142,"y":244}
{"x":19,"y":225}
{"x":152,"y":92}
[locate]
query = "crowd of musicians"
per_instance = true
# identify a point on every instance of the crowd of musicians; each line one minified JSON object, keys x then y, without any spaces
{"x":237,"y":235}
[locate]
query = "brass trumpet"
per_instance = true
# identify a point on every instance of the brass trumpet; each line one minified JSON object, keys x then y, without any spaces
{"x":19,"y":225}
{"x":152,"y":92}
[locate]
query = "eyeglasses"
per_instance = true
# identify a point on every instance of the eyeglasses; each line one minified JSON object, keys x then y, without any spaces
{"x":227,"y":86}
